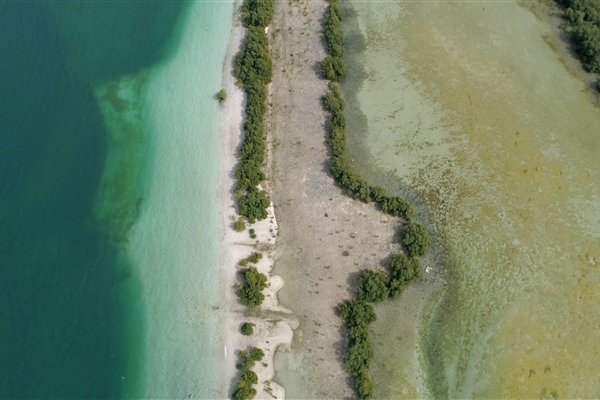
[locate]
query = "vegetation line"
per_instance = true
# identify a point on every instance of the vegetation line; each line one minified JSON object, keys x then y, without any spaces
{"x":584,"y":16}
{"x":253,"y":70}
{"x":374,"y":286}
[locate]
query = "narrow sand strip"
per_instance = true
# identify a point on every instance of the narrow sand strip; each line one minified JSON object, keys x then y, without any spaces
{"x":271,"y":327}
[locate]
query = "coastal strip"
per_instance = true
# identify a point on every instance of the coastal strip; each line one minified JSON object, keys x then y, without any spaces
{"x":374,"y":286}
{"x":325,"y":237}
{"x":270,"y":328}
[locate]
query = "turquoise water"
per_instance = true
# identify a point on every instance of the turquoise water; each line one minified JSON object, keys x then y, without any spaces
{"x":80,"y":153}
{"x":175,"y":244}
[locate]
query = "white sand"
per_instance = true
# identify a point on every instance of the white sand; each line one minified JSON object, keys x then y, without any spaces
{"x":268,"y":333}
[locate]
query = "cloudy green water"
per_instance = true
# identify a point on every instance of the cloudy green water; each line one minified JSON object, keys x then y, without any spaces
{"x":467,"y":104}
{"x":82,"y":125}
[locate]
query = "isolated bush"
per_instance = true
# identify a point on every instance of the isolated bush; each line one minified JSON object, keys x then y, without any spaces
{"x":222,"y":95}
{"x":247,"y":329}
{"x":239,"y":225}
{"x":416,"y":239}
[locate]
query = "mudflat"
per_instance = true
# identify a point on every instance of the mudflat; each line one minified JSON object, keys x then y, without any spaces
{"x":325,"y":238}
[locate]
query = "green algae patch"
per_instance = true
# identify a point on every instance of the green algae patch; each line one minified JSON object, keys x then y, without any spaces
{"x":469,"y":105}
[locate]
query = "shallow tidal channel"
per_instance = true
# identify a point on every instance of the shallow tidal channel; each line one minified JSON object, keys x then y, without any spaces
{"x":471,"y":105}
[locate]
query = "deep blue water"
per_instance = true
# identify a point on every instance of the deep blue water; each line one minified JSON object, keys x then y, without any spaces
{"x":63,"y":331}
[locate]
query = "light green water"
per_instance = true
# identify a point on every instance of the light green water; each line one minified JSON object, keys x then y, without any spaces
{"x":167,"y":122}
{"x":466,"y":103}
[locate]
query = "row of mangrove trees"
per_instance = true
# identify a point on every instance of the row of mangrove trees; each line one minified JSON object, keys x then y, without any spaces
{"x":253,"y":70}
{"x":584,"y":16}
{"x":374,"y":286}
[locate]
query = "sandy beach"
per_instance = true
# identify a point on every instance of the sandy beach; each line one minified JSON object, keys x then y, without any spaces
{"x":272,"y":328}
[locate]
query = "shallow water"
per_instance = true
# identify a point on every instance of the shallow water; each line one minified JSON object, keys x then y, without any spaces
{"x":175,"y":244}
{"x":469,"y":105}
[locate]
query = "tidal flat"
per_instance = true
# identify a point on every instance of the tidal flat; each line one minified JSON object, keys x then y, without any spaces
{"x":479,"y":109}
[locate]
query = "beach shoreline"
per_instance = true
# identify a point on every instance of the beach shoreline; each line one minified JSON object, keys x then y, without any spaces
{"x":272,"y":328}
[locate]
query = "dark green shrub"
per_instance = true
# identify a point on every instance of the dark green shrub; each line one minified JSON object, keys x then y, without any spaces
{"x":239,"y":225}
{"x":334,"y":68}
{"x":244,"y":389}
{"x":252,"y":233}
{"x":253,"y":64}
{"x":257,"y":13}
{"x":396,"y":206}
{"x":253,"y":258}
{"x":364,"y":386}
{"x":247,"y":360}
{"x":357,"y":313}
{"x":584,"y":16}
{"x":253,"y":69}
{"x":586,"y":37}
{"x":249,"y":175}
{"x":579,"y":11}
{"x":333,"y":31}
{"x":358,"y":316}
{"x":250,"y":292}
{"x":221,"y":96}
{"x":403,"y":270}
{"x":256,"y":354}
{"x":373,"y":286}
{"x":253,"y":205}
{"x":247,"y":329}
{"x":250,"y":377}
{"x":333,"y":101}
{"x":415,"y":238}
